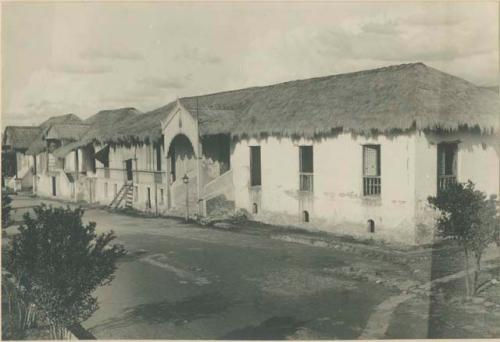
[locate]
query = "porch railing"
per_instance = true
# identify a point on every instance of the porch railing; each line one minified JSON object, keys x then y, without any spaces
{"x":444,"y":181}
{"x":372,"y":185}
{"x":306,"y":182}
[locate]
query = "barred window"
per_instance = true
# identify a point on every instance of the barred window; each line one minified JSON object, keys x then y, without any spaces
{"x":306,"y":168}
{"x":446,"y":164}
{"x":255,"y":166}
{"x":371,"y":170}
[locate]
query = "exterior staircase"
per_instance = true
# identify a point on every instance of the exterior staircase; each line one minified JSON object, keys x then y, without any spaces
{"x":126,"y":194}
{"x":218,"y":195}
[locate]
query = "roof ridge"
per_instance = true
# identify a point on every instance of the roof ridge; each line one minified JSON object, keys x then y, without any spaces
{"x":345,"y":74}
{"x":117,"y":109}
{"x":71,"y":124}
{"x":19,"y":126}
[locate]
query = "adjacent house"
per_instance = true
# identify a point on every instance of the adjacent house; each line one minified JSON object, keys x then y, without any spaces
{"x":17,"y":167}
{"x":130,"y":166}
{"x":56,"y":175}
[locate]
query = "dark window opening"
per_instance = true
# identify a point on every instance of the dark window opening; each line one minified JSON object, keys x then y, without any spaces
{"x":172,"y":166}
{"x":54,"y":192}
{"x":446,"y":165}
{"x":148,"y":199}
{"x":372,"y":183}
{"x":255,"y":166}
{"x":158,"y":157}
{"x":306,"y":168}
{"x":305,"y":216}
{"x":128,"y":169}
{"x":371,"y":226}
{"x":255,"y":208}
{"x":218,"y":148}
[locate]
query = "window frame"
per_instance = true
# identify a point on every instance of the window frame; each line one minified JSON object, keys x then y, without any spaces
{"x":306,"y":178}
{"x":445,"y":179}
{"x":255,"y":179}
{"x":162,"y":196}
{"x":372,"y":184}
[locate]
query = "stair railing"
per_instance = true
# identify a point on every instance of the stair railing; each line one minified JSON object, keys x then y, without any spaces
{"x":120,"y":196}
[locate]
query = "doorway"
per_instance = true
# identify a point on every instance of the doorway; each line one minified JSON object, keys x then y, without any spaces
{"x":128,"y":168}
{"x":54,"y":186}
{"x":148,"y":202}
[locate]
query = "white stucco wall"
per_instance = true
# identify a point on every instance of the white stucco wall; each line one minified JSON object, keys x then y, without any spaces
{"x":338,"y":204}
{"x":477,"y":160}
{"x":143,"y":164}
{"x":65,"y":190}
{"x":408,"y":173}
{"x":24,"y":169}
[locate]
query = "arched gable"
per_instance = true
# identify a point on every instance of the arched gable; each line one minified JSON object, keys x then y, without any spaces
{"x":180,"y":121}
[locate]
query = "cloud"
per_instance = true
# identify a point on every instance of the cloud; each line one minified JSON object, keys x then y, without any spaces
{"x":194,"y":54}
{"x":137,"y":94}
{"x":388,"y":27}
{"x":21,"y":119}
{"x":106,"y":53}
{"x":403,"y":44}
{"x":165,"y":82}
{"x":435,"y":18}
{"x":80,"y":68}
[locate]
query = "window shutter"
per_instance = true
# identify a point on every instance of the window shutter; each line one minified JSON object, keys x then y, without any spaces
{"x":370,"y":161}
{"x":441,"y":160}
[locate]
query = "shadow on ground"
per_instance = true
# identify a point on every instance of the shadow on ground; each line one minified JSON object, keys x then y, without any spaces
{"x":178,"y":313}
{"x":275,"y":328}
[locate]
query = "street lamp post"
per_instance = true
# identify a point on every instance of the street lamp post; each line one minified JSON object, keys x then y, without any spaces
{"x":185,"y":180}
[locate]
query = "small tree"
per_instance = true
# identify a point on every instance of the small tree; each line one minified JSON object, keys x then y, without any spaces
{"x":6,"y":201}
{"x":58,"y":262}
{"x":470,"y":217}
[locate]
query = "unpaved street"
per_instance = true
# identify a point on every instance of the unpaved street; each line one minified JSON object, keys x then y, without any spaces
{"x":185,"y":281}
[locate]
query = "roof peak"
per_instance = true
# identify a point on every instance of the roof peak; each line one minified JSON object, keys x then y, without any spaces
{"x":394,"y":67}
{"x":117,"y":109}
{"x":19,"y":126}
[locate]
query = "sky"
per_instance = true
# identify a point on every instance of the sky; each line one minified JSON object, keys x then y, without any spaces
{"x":80,"y":58}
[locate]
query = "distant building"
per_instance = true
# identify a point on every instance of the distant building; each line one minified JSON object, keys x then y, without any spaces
{"x":17,"y":167}
{"x":354,"y":154}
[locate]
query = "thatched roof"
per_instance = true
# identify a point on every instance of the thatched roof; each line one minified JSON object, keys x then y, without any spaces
{"x":400,"y":98}
{"x":146,"y":128}
{"x":136,"y":129}
{"x":61,"y":119}
{"x":20,"y":137}
{"x":38,"y":144}
{"x":395,"y":98}
{"x":107,"y":125}
{"x":67,"y":131}
{"x":101,"y":127}
{"x":495,"y":89}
